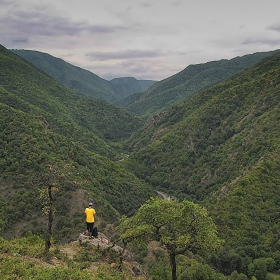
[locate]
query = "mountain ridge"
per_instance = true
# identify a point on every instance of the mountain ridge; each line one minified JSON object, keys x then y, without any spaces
{"x":84,"y":81}
{"x":187,"y":82}
{"x":221,"y":146}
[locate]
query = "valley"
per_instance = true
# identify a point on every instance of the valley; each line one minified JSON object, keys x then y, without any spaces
{"x":208,"y":135}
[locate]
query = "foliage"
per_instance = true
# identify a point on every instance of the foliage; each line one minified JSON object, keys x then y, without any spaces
{"x":236,"y":276}
{"x":260,"y":268}
{"x":186,"y":83}
{"x":25,"y":158}
{"x":221,"y":148}
{"x":127,"y":86}
{"x":178,"y":226}
{"x":218,"y":148}
{"x":42,"y":123}
{"x":159,"y":269}
{"x":51,"y":183}
{"x":63,"y":110}
{"x":83,"y":81}
{"x":217,"y":138}
{"x":78,"y":79}
{"x":31,"y":245}
{"x":188,"y":268}
{"x":15,"y":269}
{"x":22,"y":258}
{"x":193,"y":270}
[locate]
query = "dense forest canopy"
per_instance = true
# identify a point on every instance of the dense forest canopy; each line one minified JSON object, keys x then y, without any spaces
{"x":83,"y":81}
{"x":192,"y":79}
{"x":219,"y":147}
{"x":44,"y":123}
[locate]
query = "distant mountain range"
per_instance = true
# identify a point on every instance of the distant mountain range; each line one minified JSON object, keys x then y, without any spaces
{"x":186,"y":83}
{"x":84,"y":81}
{"x":141,"y":97}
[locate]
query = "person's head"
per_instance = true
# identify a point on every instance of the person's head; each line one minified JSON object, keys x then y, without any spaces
{"x":90,"y":204}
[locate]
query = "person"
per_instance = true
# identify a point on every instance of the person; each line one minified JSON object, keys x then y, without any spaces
{"x":90,"y":214}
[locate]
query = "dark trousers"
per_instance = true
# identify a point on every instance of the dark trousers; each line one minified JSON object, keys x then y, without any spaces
{"x":90,"y":227}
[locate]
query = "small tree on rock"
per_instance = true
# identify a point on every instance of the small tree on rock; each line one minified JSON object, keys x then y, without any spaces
{"x":178,"y":226}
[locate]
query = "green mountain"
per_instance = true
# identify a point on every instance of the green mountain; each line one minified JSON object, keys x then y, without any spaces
{"x":186,"y":83}
{"x":51,"y":135}
{"x":127,"y":86}
{"x":221,"y":148}
{"x":105,"y":120}
{"x":83,"y":81}
{"x":76,"y":78}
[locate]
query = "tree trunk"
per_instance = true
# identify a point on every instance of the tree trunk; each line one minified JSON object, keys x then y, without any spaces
{"x":121,"y":256}
{"x":50,"y":220}
{"x":172,"y":258}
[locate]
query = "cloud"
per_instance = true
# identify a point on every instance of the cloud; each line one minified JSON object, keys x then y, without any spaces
{"x":133,"y":62}
{"x":40,"y":23}
{"x":137,"y":67}
{"x":131,"y":69}
{"x":263,"y":41}
{"x":177,"y":3}
{"x":126,"y":54}
{"x":274,"y":27}
{"x":149,"y":39}
{"x":31,"y":26}
{"x":145,"y":4}
{"x":6,"y":2}
{"x":19,"y":40}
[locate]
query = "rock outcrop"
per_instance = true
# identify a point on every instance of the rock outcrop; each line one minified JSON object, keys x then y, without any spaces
{"x":103,"y":243}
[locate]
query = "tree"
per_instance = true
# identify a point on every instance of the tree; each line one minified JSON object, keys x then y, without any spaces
{"x":260,"y":267}
{"x":192,"y":269}
{"x":236,"y":276}
{"x":178,"y":226}
{"x":52,"y":182}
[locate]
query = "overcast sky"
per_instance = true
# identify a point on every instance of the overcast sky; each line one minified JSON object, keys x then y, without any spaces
{"x":145,"y":39}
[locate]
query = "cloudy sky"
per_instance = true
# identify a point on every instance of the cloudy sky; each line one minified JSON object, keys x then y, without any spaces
{"x":145,"y":39}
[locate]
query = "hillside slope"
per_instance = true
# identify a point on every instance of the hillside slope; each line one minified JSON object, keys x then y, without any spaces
{"x":83,"y":81}
{"x":221,"y":147}
{"x":127,"y":86}
{"x":52,"y":136}
{"x":186,"y":83}
{"x":76,"y":78}
{"x":24,"y":82}
{"x":83,"y":259}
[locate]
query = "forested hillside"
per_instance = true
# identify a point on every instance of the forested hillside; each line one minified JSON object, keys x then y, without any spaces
{"x":25,"y":83}
{"x":221,"y":148}
{"x":76,"y":78}
{"x":83,"y":81}
{"x":53,"y":136}
{"x":127,"y":86}
{"x":186,"y":83}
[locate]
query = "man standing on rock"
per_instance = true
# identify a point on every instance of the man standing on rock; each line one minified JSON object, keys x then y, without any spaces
{"x":90,"y":213}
